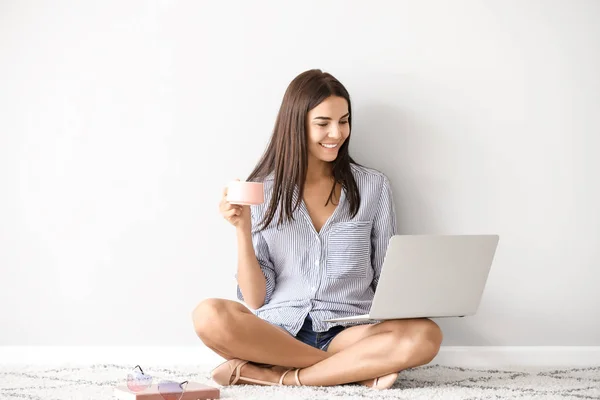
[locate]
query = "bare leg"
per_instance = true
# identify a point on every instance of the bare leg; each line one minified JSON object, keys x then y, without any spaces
{"x":221,"y":324}
{"x":358,"y":353}
{"x":368,"y":351}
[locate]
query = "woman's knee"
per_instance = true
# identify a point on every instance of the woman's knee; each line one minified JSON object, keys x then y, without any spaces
{"x":427,"y":338}
{"x":420,"y":338}
{"x":211,"y":318}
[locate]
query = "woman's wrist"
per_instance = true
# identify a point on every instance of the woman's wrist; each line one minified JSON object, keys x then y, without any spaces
{"x":243,"y":230}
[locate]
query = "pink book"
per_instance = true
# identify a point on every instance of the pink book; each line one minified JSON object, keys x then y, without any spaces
{"x":193,"y":391}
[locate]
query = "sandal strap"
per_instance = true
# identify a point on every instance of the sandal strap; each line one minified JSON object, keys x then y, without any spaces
{"x":297,"y":378}
{"x":237,"y":372}
{"x":283,"y":376}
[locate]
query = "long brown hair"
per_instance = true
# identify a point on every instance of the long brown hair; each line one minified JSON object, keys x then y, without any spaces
{"x":286,"y":154}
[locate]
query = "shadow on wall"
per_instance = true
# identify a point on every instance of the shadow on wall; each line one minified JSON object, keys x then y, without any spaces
{"x":389,"y":139}
{"x":459,"y":332}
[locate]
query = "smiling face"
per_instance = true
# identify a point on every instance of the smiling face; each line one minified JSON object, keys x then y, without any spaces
{"x":327,"y":129}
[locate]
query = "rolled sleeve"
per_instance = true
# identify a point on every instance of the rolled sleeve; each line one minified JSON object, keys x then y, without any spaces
{"x":384,"y":227}
{"x":261,"y":250}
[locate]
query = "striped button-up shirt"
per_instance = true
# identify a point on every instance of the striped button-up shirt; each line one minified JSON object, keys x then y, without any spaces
{"x":331,"y":273}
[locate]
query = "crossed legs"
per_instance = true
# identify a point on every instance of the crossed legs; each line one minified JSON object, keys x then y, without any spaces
{"x":356,"y":354}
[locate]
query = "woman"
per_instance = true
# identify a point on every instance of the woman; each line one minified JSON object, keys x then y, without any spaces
{"x":312,"y":251}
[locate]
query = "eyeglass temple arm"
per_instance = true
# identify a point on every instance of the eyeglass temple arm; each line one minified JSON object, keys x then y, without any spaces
{"x":137,"y":366}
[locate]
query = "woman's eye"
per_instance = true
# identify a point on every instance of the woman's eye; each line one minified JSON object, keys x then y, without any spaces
{"x":341,"y":122}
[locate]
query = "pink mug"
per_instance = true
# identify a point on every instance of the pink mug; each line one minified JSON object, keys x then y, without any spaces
{"x":245,"y":193}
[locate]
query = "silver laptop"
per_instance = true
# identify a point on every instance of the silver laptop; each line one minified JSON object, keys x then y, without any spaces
{"x":431,"y":276}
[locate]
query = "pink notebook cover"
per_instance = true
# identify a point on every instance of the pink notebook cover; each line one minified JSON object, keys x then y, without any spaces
{"x":193,"y":391}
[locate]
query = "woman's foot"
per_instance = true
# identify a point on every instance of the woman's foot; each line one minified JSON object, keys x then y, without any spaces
{"x":240,"y":372}
{"x":382,"y":382}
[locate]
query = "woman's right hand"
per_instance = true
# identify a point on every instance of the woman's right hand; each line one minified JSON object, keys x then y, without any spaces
{"x":236,"y":214}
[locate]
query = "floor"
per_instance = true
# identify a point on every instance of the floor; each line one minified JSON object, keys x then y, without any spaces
{"x":62,"y":382}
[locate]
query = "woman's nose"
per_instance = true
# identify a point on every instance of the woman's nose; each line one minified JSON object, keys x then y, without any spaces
{"x":335,"y":132}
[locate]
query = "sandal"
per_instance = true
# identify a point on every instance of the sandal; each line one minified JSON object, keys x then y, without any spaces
{"x":223,"y":373}
{"x":385,"y":381}
{"x":297,"y":371}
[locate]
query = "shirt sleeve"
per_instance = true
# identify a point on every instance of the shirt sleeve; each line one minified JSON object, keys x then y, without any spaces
{"x":261,"y":250}
{"x":384,"y":227}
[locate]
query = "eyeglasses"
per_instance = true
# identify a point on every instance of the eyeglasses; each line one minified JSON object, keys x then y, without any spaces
{"x":169,"y":390}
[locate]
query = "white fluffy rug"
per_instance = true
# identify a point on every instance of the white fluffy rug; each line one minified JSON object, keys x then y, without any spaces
{"x":428,"y":382}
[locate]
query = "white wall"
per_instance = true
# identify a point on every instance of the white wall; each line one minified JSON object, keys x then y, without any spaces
{"x":120,"y":123}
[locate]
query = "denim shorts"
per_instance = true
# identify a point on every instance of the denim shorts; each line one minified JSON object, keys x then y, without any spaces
{"x":319,"y":340}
